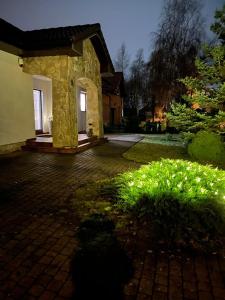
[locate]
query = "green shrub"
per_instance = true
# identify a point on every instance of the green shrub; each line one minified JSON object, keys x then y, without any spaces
{"x":184,"y":200}
{"x":187,"y":137}
{"x":207,"y":146}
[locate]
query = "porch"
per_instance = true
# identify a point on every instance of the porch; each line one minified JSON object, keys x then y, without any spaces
{"x":65,"y":103}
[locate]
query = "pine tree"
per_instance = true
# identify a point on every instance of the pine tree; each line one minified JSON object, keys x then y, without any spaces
{"x":205,"y":100}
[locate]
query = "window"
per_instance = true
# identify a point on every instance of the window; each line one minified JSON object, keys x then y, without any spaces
{"x":83,"y":99}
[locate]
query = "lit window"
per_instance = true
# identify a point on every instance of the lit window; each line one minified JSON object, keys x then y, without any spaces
{"x":83,"y":98}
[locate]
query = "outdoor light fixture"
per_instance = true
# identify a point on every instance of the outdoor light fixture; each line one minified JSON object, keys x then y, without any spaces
{"x":20,"y":61}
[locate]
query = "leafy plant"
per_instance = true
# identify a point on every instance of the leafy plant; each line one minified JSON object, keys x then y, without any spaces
{"x":184,"y":200}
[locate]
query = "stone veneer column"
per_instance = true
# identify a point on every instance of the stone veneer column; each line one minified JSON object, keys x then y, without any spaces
{"x":64,"y":127}
{"x":64,"y":130}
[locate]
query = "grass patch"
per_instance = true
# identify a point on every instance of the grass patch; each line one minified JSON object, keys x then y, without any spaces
{"x":88,"y":199}
{"x":100,"y":198}
{"x":184,"y":200}
{"x":146,"y":152}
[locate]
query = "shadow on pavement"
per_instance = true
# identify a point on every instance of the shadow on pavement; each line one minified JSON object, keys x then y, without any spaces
{"x":100,"y":267}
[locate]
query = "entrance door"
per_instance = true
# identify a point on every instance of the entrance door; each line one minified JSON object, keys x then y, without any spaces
{"x":82,"y":107}
{"x":38,"y":110}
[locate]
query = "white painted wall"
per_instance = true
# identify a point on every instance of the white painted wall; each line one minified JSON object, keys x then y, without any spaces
{"x":16,"y":101}
{"x":44,"y":84}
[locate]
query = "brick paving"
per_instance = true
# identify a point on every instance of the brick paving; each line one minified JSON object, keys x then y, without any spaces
{"x":37,"y":226}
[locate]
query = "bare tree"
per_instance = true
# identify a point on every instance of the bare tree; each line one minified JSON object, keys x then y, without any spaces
{"x":176,"y":44}
{"x":122,"y":60}
{"x":138,"y":81}
{"x":218,"y":26}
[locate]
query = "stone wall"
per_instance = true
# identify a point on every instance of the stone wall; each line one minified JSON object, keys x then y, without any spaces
{"x":84,"y":71}
{"x":66,"y":72}
{"x":5,"y":149}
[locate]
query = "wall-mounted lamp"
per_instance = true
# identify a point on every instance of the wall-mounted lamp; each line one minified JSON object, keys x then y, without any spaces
{"x":20,"y":61}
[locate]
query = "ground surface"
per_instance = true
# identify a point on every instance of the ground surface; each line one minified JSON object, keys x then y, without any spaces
{"x":38,"y":221}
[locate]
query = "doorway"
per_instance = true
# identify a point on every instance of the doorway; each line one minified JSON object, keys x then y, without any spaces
{"x":92,"y":117}
{"x":42,"y":94}
{"x":38,"y":110}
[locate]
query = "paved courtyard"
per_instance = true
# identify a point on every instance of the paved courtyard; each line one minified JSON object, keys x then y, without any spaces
{"x":37,"y":225}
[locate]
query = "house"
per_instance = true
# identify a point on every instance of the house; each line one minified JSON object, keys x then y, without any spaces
{"x":50,"y":82}
{"x":113,"y":93}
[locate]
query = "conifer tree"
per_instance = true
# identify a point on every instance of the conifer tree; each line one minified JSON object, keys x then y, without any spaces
{"x":204,"y":103}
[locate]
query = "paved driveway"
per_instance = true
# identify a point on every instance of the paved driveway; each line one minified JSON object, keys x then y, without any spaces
{"x":37,"y":231}
{"x":36,"y":223}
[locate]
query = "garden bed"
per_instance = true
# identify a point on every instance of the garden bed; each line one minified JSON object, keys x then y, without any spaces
{"x":171,"y":221}
{"x":172,"y":203}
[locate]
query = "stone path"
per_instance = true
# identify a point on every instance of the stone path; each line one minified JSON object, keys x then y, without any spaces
{"x":37,"y":232}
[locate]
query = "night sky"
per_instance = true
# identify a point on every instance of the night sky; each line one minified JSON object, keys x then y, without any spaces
{"x":128,"y":21}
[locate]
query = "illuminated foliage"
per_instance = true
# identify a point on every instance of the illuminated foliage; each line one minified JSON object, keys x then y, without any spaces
{"x":184,"y":200}
{"x":184,"y":180}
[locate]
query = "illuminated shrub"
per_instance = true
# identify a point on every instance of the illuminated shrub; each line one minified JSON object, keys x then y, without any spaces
{"x":184,"y":200}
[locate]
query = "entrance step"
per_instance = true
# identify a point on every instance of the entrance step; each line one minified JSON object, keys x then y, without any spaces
{"x":47,"y":147}
{"x":87,"y":140}
{"x":33,"y":143}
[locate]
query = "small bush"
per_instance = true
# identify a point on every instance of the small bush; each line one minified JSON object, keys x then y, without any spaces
{"x":184,"y":200}
{"x":207,"y":146}
{"x":187,"y":137}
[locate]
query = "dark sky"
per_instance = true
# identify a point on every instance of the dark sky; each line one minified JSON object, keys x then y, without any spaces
{"x":129,"y":21}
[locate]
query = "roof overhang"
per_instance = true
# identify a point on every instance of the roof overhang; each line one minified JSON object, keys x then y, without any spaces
{"x":10,"y":49}
{"x":56,"y":41}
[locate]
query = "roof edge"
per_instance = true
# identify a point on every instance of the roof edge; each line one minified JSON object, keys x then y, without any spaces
{"x":72,"y":35}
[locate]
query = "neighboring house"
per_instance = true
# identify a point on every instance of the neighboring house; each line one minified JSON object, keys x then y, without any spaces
{"x":113,"y":93}
{"x":50,"y":81}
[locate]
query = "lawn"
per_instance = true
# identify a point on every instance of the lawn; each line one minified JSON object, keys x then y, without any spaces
{"x":155,"y":147}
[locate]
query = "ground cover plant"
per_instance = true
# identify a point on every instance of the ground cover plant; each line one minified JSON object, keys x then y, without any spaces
{"x":185,"y":201}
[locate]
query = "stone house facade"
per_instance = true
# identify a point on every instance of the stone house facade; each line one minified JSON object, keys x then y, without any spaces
{"x":63,"y":63}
